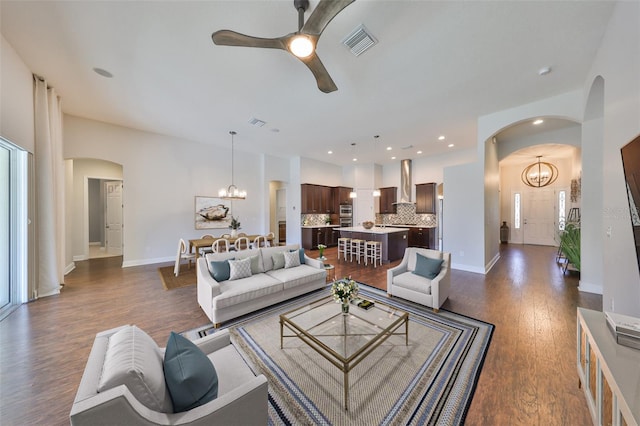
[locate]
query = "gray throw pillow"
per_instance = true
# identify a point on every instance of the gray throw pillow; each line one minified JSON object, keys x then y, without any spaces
{"x":255,"y":265}
{"x":190,"y":376}
{"x":427,"y":267}
{"x":291,"y":259}
{"x":301,"y":254}
{"x":239,"y":269}
{"x":278,"y":260}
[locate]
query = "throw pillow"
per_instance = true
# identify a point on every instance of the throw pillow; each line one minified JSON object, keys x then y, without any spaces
{"x":133,"y":359}
{"x":301,"y":254}
{"x":278,"y":260}
{"x":427,"y":267}
{"x":239,"y":269}
{"x":291,"y":259}
{"x":219,"y":269}
{"x":255,"y":265}
{"x":191,"y":377}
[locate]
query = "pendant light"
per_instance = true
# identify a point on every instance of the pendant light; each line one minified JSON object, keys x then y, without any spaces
{"x":232,"y":192}
{"x":540,"y":174}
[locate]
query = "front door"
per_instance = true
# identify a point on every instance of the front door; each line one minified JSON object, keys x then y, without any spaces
{"x":113,"y":225}
{"x":538,"y":214}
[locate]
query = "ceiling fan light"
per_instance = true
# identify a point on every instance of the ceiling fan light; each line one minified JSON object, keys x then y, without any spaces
{"x":301,"y":46}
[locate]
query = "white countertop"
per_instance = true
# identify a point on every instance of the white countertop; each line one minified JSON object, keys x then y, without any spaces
{"x":374,"y":230}
{"x":405,"y":226}
{"x":320,"y":226}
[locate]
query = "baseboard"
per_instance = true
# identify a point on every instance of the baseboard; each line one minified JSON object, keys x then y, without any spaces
{"x":468,"y":268}
{"x":140,"y":262}
{"x":491,"y":263}
{"x":70,"y":267}
{"x":589,"y":288}
{"x":80,"y":257}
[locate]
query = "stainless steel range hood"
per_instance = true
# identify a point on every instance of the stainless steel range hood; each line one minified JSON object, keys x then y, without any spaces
{"x":405,"y":182}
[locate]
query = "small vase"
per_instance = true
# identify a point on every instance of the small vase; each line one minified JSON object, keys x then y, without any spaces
{"x":234,"y":233}
{"x":345,"y":307}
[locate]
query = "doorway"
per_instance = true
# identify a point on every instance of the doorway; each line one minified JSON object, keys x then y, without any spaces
{"x":104,"y":217}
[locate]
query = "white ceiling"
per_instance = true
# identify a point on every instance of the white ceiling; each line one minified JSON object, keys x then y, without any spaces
{"x":436,"y":68}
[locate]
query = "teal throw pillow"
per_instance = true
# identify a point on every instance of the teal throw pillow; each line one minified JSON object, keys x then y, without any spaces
{"x":190,"y":376}
{"x":301,"y":253}
{"x":427,"y":267}
{"x":278,"y":260}
{"x":219,"y":269}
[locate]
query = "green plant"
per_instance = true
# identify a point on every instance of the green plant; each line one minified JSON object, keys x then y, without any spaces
{"x":235,"y":223}
{"x":321,"y":248}
{"x":570,"y":244}
{"x":344,"y":290}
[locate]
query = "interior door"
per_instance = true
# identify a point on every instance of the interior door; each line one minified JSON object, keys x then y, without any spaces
{"x":113,"y":217}
{"x":538,"y":214}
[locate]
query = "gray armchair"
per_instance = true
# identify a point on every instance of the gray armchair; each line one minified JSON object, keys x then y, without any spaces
{"x":403,"y":282}
{"x":242,"y":396}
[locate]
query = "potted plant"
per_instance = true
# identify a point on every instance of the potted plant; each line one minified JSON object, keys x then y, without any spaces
{"x":570,"y":244}
{"x":321,"y":248}
{"x":343,"y":291}
{"x":234,"y":226}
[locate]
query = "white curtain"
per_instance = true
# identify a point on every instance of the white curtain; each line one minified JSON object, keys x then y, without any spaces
{"x":49,"y":179}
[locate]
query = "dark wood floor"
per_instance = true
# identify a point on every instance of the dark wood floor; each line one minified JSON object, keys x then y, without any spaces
{"x":529,"y":376}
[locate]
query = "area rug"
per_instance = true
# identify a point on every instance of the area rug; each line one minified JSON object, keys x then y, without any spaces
{"x":431,"y":381}
{"x":187,"y":277}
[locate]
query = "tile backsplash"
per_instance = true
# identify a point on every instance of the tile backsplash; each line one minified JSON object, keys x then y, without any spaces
{"x":406,"y":215}
{"x":314,"y":219}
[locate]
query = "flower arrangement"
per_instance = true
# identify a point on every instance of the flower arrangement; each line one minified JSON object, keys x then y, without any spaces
{"x":321,"y":248}
{"x":344,"y":290}
{"x":235,"y":223}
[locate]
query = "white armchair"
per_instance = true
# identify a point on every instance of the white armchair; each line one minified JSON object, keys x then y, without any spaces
{"x":403,"y":282}
{"x":242,"y":396}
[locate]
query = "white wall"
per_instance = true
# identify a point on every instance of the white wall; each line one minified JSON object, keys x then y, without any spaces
{"x":16,"y":98}
{"x":162,"y":175}
{"x":568,"y":136}
{"x":491,"y":205}
{"x":319,"y":173}
{"x":618,"y":62}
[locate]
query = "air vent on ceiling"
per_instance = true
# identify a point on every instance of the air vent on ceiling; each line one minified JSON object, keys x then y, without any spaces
{"x":359,"y":41}
{"x":256,"y":122}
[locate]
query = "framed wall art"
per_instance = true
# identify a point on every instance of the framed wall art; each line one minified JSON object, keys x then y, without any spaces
{"x":211,"y":213}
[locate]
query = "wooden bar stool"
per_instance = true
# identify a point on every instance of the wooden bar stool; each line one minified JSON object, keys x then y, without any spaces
{"x":344,"y":245}
{"x":373,"y":252}
{"x":357,"y":249}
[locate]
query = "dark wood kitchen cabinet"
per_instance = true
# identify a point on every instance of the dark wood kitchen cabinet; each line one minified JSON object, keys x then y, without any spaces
{"x":312,"y":236}
{"x":316,"y":199}
{"x":388,"y":198}
{"x":426,"y":198}
{"x":422,"y":237}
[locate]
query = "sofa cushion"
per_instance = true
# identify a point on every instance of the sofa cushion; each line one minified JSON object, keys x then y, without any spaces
{"x":414,"y":282}
{"x":133,"y":359}
{"x":300,"y":275}
{"x":427,"y":267}
{"x":190,"y":376}
{"x":245,"y":289}
{"x":219,"y":270}
{"x":278,"y":260}
{"x":291,"y":259}
{"x":239,"y":269}
{"x":267,"y":252}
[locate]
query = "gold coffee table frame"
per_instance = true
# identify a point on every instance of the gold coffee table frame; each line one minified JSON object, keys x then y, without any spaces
{"x":343,"y":340}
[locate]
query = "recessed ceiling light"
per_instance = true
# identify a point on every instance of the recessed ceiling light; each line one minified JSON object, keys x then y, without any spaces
{"x":544,"y":70}
{"x":355,"y":159}
{"x":538,"y":121}
{"x":393,"y":158}
{"x":388,"y":148}
{"x":103,"y":72}
{"x":419,"y":152}
{"x":330,"y":152}
{"x":450,"y":145}
{"x":441,"y":138}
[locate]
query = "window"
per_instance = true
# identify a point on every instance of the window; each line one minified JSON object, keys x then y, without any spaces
{"x":516,"y":210}
{"x":562,"y":214}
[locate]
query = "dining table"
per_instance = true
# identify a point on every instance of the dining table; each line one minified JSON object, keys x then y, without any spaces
{"x":196,"y":244}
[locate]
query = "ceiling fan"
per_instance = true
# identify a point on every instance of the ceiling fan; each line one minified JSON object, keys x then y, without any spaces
{"x":302,"y":43}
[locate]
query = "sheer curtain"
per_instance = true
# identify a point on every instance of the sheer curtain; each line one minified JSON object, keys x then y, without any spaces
{"x":49,"y":179}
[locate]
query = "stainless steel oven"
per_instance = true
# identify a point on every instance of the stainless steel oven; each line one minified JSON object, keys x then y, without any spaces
{"x":346,"y":221}
{"x":346,"y":210}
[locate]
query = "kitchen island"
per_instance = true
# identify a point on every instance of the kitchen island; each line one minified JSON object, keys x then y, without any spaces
{"x":394,"y":240}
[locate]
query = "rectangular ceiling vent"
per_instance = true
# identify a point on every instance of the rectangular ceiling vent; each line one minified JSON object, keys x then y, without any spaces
{"x":256,"y":122}
{"x":359,"y":41}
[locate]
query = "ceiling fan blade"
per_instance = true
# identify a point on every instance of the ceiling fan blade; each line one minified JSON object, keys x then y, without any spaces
{"x":324,"y":12}
{"x":232,"y":38}
{"x":325,"y":83}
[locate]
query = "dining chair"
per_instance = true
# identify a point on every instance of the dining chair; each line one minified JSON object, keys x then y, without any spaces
{"x":242,"y":234}
{"x":220,"y":245}
{"x":259,"y":241}
{"x":182,"y":254}
{"x":271,"y":239}
{"x":205,"y":250}
{"x":227,"y":236}
{"x":242,"y":243}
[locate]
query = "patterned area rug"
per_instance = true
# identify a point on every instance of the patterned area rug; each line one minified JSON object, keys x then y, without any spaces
{"x":431,"y":381}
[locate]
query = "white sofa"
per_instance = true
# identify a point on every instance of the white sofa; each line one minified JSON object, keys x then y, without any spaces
{"x":241,"y":400}
{"x":228,"y":299}
{"x":402,"y":282}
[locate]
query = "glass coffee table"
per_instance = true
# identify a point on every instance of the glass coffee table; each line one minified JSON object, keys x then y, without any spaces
{"x":343,"y":339}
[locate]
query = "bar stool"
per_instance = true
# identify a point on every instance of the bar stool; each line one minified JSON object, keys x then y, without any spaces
{"x":357,"y":249}
{"x":344,"y":245}
{"x":373,"y":252}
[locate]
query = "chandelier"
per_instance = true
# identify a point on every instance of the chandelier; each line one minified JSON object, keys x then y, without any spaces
{"x":539,"y":174}
{"x":232,"y":192}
